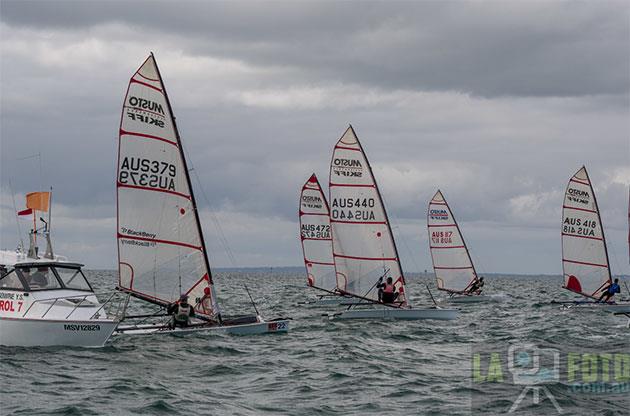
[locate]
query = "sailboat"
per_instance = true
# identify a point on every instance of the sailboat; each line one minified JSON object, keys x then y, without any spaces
{"x":161,"y":250}
{"x":364,"y":250}
{"x":585,"y":264}
{"x":454,"y":270}
{"x":46,"y":300}
{"x":317,"y":244}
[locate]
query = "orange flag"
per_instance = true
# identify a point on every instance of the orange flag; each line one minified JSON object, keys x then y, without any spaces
{"x":38,"y":201}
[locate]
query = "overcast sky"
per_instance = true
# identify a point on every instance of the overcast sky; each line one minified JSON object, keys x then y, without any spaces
{"x":495,"y":103}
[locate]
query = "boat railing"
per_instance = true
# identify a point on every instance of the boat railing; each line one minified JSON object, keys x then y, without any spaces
{"x":112,"y":309}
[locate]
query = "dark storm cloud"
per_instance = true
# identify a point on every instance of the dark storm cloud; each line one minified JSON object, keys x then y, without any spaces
{"x":487,"y":49}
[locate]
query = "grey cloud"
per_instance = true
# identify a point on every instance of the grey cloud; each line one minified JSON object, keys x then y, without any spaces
{"x":487,"y":49}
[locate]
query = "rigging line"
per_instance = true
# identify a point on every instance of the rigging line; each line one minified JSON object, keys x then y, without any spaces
{"x":612,"y":248}
{"x":396,"y":226}
{"x":221,"y":235}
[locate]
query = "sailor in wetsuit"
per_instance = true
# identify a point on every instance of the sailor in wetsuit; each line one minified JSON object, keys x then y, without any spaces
{"x":476,"y":287}
{"x":610,"y":291}
{"x":181,"y":311}
{"x":386,"y":291}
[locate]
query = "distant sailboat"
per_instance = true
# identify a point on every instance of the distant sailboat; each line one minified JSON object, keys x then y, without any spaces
{"x":454,"y":269}
{"x":585,"y":264}
{"x":364,"y":250}
{"x":317,"y":243}
{"x":161,"y":249}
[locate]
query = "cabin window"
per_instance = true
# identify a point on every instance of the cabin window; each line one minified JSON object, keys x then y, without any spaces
{"x":39,"y":278}
{"x":73,"y":278}
{"x":11,"y":281}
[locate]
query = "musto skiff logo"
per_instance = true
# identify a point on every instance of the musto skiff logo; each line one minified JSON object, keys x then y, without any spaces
{"x":543,"y":380}
{"x":146,"y":111}
{"x":578,"y":196}
{"x":347,"y":167}
{"x":438,"y":214}
{"x":312,"y":202}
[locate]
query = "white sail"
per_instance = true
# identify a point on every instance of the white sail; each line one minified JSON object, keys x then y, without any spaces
{"x":363,"y":244}
{"x":454,"y":270}
{"x":315,"y":236}
{"x":161,"y":250}
{"x":584,"y":255}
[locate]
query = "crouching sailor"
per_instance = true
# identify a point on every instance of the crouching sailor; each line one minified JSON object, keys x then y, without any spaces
{"x":181,"y":312}
{"x":610,"y":291}
{"x":387,"y":292}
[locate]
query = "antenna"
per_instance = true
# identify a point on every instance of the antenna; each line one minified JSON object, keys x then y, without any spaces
{"x":17,"y":220}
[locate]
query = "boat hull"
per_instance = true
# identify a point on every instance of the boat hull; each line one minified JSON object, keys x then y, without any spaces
{"x":45,"y":333}
{"x":395,"y":313}
{"x":590,"y":306}
{"x":617,"y":309}
{"x":255,"y":328}
{"x":337,"y":300}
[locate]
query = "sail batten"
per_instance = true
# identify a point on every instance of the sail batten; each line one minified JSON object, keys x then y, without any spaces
{"x":453,"y":266}
{"x":585,"y":264}
{"x":363,"y":245}
{"x":161,"y":249}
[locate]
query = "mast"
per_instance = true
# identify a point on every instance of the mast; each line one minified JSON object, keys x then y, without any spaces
{"x":378,"y":193}
{"x":190,"y":187}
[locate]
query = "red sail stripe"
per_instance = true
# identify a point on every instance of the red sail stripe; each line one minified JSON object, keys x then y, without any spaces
{"x":441,"y":225}
{"x":579,"y":209}
{"x":317,"y":239}
{"x":318,"y":262}
{"x":359,"y":222}
{"x":438,"y":203}
{"x":151,"y":240}
{"x":583,"y":183}
{"x":453,"y":268}
{"x":347,"y":148}
{"x":352,"y":185}
{"x":146,"y":85}
{"x":148,"y":136}
{"x":124,"y":185}
{"x":585,"y":263}
{"x":366,"y":258}
{"x":150,"y":79}
{"x":313,"y":213}
{"x":583,"y":236}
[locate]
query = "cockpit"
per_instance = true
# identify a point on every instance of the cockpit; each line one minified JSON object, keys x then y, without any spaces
{"x":44,"y":277}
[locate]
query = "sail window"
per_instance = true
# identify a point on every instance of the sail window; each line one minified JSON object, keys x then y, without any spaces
{"x":39,"y":278}
{"x":72,"y":278}
{"x":11,"y":281}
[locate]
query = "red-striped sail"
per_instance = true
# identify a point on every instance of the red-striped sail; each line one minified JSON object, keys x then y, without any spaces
{"x":454,"y":269}
{"x":584,"y":254}
{"x":363,"y":244}
{"x":315,"y":236}
{"x":161,"y":251}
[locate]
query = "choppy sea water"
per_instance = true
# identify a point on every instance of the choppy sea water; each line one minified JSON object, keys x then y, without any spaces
{"x":324,"y":367}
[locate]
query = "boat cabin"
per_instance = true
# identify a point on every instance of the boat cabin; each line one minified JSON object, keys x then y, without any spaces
{"x":30,"y":277}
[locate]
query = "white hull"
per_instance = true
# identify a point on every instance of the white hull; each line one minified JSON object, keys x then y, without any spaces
{"x":617,"y":309}
{"x":336,"y":300}
{"x":395,"y":313}
{"x":238,"y":329}
{"x":470,"y":299}
{"x":623,"y":308}
{"x":43,"y":332}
